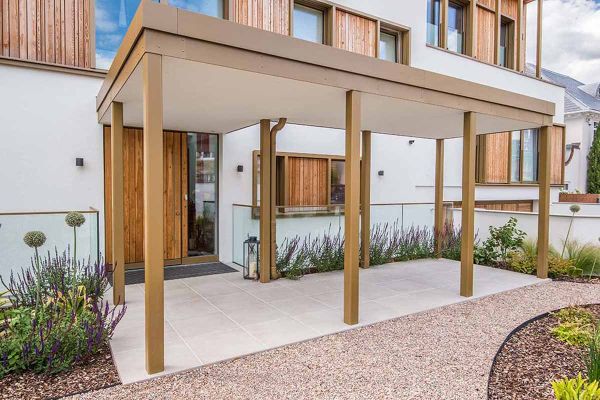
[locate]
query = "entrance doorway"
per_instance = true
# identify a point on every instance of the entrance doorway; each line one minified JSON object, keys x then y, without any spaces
{"x":190,"y":197}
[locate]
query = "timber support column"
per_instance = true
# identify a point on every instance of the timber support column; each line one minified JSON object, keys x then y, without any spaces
{"x":365,"y":199}
{"x":118,"y":236}
{"x":439,"y":220}
{"x":273,"y":218}
{"x":468,"y":205}
{"x":265,"y":201}
{"x":544,"y":203}
{"x":352,"y":207}
{"x":153,"y":212}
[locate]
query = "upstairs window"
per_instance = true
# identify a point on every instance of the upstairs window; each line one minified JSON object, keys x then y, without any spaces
{"x":309,"y":23}
{"x":388,"y":46}
{"x":515,"y":157}
{"x":433,"y":22}
{"x":456,"y":27}
{"x":213,"y":8}
{"x":506,"y":43}
{"x":530,"y":155}
{"x":112,"y":20}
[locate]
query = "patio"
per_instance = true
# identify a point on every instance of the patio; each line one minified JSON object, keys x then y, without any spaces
{"x":219,"y":317}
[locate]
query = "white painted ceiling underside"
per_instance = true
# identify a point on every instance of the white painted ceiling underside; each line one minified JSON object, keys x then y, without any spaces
{"x":201,"y":97}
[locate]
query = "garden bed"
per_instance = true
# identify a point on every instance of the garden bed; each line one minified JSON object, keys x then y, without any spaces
{"x":96,"y":373}
{"x":531,"y":358}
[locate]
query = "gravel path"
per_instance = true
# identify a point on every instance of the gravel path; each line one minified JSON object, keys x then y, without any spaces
{"x":440,"y":354}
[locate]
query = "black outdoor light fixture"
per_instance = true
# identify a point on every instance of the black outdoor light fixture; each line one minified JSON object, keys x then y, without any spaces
{"x":79,"y":162}
{"x":411,"y":142}
{"x":240,"y":168}
{"x":380,"y":173}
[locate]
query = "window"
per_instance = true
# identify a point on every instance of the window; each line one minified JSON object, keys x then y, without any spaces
{"x":309,"y":23}
{"x":388,"y":46}
{"x":114,"y":16}
{"x":515,"y":157}
{"x":213,"y":8}
{"x":530,"y":155}
{"x":433,"y":22}
{"x":338,"y":182}
{"x":506,"y":46}
{"x":456,"y":27}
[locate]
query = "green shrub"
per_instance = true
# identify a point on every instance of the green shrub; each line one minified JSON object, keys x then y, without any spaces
{"x":561,"y":267}
{"x":584,"y":257}
{"x":451,"y":242}
{"x":593,"y":172}
{"x":576,"y":389}
{"x":291,"y":258}
{"x":576,"y":326}
{"x":326,"y":253}
{"x":521,"y":262}
{"x":592,"y":359}
{"x":502,"y":241}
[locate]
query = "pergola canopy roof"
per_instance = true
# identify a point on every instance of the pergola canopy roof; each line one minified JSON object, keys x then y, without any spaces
{"x":219,"y":76}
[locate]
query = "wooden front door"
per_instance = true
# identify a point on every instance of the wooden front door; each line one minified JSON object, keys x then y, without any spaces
{"x":175,"y":189}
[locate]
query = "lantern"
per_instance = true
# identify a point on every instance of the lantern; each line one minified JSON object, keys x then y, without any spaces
{"x":251,"y":258}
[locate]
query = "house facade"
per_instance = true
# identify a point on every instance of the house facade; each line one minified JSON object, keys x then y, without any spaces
{"x":380,"y":102}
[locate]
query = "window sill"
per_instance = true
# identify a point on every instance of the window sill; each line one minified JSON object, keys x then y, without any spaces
{"x":518,"y":184}
{"x":19,"y":62}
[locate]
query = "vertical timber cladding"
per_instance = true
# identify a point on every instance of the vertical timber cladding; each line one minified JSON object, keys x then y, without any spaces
{"x":356,"y":34}
{"x":175,"y":148}
{"x":53,"y":31}
{"x":270,"y":15}
{"x":557,"y":155}
{"x":497,"y":147}
{"x":486,"y":20}
{"x":307,"y":181}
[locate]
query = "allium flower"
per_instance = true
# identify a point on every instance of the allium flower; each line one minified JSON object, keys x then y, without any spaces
{"x":74,"y":219}
{"x":34,"y":239}
{"x":575,"y":208}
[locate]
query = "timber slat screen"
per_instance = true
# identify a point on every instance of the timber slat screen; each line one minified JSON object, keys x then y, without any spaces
{"x":175,"y":170}
{"x":53,"y":31}
{"x":307,"y":181}
{"x":356,"y":34}
{"x":270,"y":15}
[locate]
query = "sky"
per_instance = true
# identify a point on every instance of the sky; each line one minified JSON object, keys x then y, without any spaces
{"x":571,"y":37}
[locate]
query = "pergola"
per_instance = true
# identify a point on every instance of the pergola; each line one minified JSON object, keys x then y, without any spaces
{"x":185,"y":71}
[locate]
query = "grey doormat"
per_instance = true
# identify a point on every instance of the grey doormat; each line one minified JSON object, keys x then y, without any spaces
{"x":136,"y":276}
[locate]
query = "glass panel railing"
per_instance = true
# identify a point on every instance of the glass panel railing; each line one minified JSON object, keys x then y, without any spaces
{"x":245,"y":224}
{"x":304,"y":222}
{"x":433,"y":34}
{"x":59,"y":237}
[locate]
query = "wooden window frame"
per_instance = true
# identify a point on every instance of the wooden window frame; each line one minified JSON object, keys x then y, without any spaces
{"x":328,"y":11}
{"x":465,"y":23}
{"x":510,"y":42}
{"x":402,"y":41}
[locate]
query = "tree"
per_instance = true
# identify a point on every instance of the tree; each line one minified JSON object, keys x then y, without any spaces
{"x":593,"y":173}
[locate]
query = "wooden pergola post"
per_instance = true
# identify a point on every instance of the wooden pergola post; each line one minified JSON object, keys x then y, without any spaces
{"x":538,"y":53}
{"x":365,"y":198}
{"x":439,"y":220}
{"x":273,"y":188}
{"x":468,"y":205}
{"x":352,"y":206}
{"x":266,"y":155}
{"x":153,"y":212}
{"x":544,"y":203}
{"x":118,"y":236}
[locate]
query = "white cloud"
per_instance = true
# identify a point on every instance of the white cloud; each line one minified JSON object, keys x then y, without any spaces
{"x":571,"y":37}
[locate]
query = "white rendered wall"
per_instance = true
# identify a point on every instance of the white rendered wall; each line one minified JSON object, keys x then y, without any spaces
{"x":48,"y":119}
{"x":580,"y":129}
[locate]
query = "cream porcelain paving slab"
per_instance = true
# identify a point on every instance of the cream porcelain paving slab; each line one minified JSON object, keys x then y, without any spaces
{"x":219,"y":317}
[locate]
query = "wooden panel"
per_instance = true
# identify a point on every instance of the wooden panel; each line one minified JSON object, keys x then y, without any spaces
{"x":510,"y":8}
{"x":133,"y":193}
{"x":485,"y":35}
{"x":488,"y":3}
{"x":557,"y":155}
{"x":356,"y":34}
{"x":270,"y":15}
{"x":497,"y":146}
{"x":307,"y":181}
{"x":54,"y":31}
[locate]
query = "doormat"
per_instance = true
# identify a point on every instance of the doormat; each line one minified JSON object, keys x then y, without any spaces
{"x":136,"y":276}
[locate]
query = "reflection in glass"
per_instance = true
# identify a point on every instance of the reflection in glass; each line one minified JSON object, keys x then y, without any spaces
{"x":515,"y":157}
{"x":214,"y":8}
{"x":530,"y":155}
{"x":203,"y":153}
{"x":433,"y":22}
{"x":504,"y":43}
{"x":338,"y":182}
{"x":388,"y":46}
{"x":456,"y":31}
{"x":308,"y":23}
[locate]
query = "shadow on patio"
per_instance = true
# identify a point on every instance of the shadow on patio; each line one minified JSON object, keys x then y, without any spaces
{"x":219,"y":317}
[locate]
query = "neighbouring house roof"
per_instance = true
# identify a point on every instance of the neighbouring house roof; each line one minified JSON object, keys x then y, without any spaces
{"x":579,"y":97}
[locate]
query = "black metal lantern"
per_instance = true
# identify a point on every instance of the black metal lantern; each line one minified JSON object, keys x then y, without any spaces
{"x":251,"y":258}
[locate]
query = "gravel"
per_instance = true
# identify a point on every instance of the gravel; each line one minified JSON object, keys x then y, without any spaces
{"x":444,"y":353}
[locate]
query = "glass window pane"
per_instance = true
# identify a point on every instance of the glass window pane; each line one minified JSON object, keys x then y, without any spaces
{"x":515,"y":157}
{"x":388,"y":47}
{"x":308,"y":23}
{"x":338,"y":182}
{"x":504,"y":29}
{"x":530,"y":155}
{"x":214,"y":8}
{"x":203,"y":154}
{"x":433,"y":22}
{"x":112,"y":20}
{"x":456,"y":32}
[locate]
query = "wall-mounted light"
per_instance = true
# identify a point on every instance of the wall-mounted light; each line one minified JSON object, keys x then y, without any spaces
{"x":79,"y":162}
{"x":240,"y":168}
{"x":411,"y":142}
{"x":380,"y":173}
